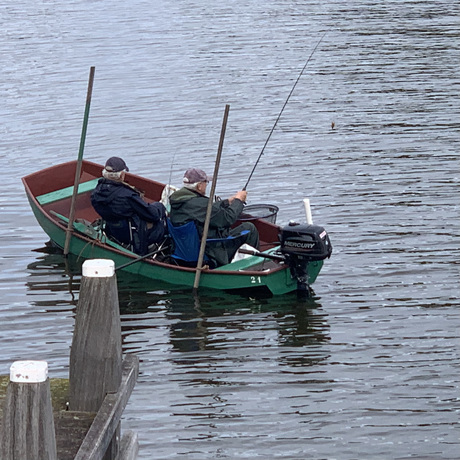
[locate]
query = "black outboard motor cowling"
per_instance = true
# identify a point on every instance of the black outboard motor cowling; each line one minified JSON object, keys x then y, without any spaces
{"x":310,"y":242}
{"x":301,"y":244}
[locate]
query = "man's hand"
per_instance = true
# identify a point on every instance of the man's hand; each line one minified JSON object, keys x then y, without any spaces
{"x":241,"y":195}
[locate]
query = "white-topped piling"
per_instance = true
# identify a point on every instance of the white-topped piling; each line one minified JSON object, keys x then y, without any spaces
{"x":28,"y":423}
{"x":96,"y":355}
{"x":98,"y":268}
{"x":29,"y":371}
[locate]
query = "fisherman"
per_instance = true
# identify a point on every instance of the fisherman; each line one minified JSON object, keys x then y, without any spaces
{"x":191,"y":203}
{"x":128,"y":218}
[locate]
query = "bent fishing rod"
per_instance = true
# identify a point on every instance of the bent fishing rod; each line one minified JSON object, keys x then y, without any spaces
{"x":279,"y":116}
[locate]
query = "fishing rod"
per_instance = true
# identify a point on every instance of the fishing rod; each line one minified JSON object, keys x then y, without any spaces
{"x":169,"y":189}
{"x":171,"y":170}
{"x":279,"y":116}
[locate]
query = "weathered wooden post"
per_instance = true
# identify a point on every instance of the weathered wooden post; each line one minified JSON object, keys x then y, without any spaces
{"x":28,"y":424}
{"x":96,"y":355}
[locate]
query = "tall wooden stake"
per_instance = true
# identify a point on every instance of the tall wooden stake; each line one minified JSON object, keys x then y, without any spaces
{"x":79,"y":162}
{"x":209,"y":208}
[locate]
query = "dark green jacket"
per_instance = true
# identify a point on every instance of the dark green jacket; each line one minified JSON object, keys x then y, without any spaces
{"x":187,"y":205}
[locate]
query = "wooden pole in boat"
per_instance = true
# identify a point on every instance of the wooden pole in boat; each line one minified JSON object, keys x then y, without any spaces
{"x":209,"y":208}
{"x":79,"y":162}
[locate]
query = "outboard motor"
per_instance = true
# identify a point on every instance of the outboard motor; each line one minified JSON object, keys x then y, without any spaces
{"x":301,"y":244}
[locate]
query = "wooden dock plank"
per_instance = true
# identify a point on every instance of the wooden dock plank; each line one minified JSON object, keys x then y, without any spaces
{"x":109,"y":415}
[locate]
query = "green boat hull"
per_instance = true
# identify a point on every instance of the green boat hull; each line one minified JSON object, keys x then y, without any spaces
{"x":277,"y":282}
{"x":49,"y":192}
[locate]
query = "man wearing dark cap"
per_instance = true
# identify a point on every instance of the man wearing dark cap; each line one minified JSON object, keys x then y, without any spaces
{"x":190,"y":203}
{"x":128,"y":218}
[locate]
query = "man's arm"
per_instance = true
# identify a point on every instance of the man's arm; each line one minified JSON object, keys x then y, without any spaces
{"x":150,"y":212}
{"x":225,"y":213}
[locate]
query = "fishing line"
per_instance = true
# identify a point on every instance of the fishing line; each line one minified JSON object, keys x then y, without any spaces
{"x":279,"y":116}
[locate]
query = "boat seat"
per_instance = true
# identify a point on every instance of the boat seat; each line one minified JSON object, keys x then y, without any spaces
{"x":66,"y":192}
{"x":187,"y":243}
{"x":121,"y":232}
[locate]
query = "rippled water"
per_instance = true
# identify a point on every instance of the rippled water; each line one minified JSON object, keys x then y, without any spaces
{"x":369,"y":368}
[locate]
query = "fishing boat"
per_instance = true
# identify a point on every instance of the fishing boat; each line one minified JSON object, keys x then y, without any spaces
{"x":289,"y":258}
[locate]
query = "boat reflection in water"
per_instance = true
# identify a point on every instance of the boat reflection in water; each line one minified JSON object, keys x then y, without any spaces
{"x":193,"y":328}
{"x":53,"y":273}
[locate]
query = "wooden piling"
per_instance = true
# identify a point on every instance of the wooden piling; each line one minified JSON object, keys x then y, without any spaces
{"x":100,"y":385}
{"x":95,"y":356}
{"x":28,"y":423}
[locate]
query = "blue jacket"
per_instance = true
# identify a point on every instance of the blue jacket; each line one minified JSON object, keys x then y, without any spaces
{"x":119,"y":205}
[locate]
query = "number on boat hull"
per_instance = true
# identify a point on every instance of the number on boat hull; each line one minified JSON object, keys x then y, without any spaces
{"x":256,"y":280}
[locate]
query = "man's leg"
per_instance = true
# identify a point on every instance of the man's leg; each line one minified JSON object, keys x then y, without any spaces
{"x":252,"y":238}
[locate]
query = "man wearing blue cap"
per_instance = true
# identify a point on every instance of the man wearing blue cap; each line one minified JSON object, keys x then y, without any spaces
{"x":191,"y":203}
{"x":128,"y":218}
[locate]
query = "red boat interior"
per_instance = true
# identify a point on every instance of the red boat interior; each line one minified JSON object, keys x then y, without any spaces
{"x":44,"y":185}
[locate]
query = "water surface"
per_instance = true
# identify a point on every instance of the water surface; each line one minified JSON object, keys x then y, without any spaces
{"x":369,"y":367}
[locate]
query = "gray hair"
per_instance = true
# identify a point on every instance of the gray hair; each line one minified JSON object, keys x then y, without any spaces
{"x":191,"y":186}
{"x":111,"y":175}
